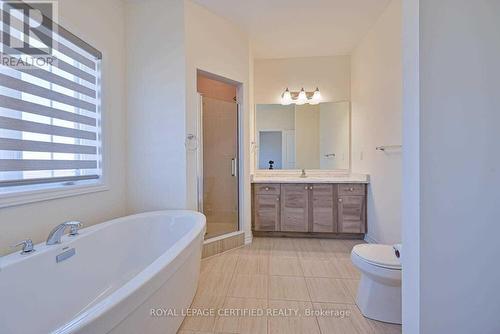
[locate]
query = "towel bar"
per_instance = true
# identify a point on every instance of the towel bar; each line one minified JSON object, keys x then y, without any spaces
{"x":388,"y":147}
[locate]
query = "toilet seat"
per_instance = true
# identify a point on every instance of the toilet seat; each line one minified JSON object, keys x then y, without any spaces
{"x":378,"y":255}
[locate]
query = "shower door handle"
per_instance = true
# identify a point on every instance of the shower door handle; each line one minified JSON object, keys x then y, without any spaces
{"x":233,"y":167}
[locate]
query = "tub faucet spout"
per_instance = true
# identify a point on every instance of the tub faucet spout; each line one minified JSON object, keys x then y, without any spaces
{"x":56,"y":234}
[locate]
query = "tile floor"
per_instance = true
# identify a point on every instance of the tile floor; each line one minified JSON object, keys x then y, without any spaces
{"x":278,"y":274}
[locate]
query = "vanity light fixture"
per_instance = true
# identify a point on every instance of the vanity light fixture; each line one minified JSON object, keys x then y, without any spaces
{"x":286,"y":98}
{"x":316,"y":98}
{"x":300,"y":98}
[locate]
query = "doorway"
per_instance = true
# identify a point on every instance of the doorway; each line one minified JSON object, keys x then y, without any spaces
{"x":219,"y":186}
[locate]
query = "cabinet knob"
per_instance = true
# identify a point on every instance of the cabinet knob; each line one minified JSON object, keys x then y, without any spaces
{"x":340,"y":200}
{"x":310,"y":188}
{"x":306,"y":188}
{"x":351,"y":189}
{"x":267,"y":188}
{"x":277,"y":199}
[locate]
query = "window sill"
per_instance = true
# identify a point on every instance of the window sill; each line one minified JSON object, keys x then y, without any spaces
{"x":25,"y":197}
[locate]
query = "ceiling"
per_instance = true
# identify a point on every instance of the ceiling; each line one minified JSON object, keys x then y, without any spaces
{"x":300,"y":28}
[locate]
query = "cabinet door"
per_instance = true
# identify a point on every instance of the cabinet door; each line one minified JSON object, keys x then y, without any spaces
{"x":267,"y":212}
{"x":352,"y":214}
{"x":323,"y":208}
{"x":294,"y":208}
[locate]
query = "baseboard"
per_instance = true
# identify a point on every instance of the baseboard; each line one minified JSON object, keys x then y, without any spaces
{"x":353,"y":236}
{"x":248,"y":238}
{"x":370,"y":240}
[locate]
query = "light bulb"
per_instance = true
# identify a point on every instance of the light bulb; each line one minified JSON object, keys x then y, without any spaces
{"x":316,"y":98}
{"x":286,"y":98}
{"x":302,"y":98}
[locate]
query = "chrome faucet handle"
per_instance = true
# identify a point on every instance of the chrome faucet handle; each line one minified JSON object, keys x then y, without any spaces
{"x":74,"y":226}
{"x":27,"y":246}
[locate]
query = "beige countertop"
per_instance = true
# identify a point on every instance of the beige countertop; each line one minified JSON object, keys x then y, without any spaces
{"x":347,"y":178}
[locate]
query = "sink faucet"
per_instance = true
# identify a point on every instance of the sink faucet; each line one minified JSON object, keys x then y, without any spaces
{"x":56,"y":234}
{"x":303,"y":174}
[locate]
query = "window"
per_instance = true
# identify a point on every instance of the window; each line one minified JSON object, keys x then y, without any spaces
{"x":50,"y":125}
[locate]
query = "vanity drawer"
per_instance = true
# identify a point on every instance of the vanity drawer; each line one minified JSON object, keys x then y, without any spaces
{"x":352,"y":189}
{"x":267,"y":188}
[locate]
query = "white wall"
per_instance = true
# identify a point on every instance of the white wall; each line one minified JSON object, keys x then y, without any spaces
{"x":376,"y":120}
{"x":410,"y":205}
{"x":168,"y":41}
{"x":156,"y":105}
{"x":459,"y":166}
{"x":217,"y":46}
{"x":330,"y":74}
{"x":106,"y":33}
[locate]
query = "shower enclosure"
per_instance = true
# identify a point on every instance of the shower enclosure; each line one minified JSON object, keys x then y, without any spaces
{"x":218,"y":193}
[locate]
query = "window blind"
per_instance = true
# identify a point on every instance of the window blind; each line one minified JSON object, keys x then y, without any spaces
{"x":50,"y":122}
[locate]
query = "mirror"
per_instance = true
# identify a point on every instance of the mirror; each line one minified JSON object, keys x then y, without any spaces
{"x":303,"y":136}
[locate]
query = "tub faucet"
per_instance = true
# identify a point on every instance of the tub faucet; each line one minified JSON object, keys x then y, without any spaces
{"x":56,"y":234}
{"x":27,"y":246}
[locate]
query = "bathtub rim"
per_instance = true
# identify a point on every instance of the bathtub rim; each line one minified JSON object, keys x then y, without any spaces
{"x":42,"y":248}
{"x":147,"y":274}
{"x":143,"y":277}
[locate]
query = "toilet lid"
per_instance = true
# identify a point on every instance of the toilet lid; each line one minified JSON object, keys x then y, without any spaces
{"x":379,"y":255}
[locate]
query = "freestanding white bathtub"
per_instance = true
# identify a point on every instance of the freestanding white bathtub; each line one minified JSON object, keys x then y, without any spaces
{"x":121,"y":271}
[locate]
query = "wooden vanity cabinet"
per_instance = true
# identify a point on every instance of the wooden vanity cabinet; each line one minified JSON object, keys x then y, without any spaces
{"x":324,"y":208}
{"x":266,"y":207}
{"x":351,"y":214}
{"x":304,"y":208}
{"x":351,"y":208}
{"x":294,"y":208}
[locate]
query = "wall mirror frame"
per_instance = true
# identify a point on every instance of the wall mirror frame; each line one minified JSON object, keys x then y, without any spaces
{"x":294,"y":137}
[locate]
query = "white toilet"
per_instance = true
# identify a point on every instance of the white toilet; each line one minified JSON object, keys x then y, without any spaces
{"x":379,"y":291}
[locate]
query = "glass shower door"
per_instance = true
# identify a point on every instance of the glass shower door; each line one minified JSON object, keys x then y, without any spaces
{"x":219,"y":200}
